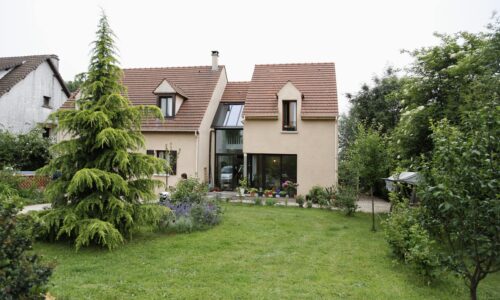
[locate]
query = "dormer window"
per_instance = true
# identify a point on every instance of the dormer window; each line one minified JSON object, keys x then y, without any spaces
{"x":289,"y":115}
{"x":167,"y":106}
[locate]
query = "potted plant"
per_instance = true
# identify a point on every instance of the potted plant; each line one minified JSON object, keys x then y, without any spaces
{"x":300,"y":200}
{"x":268,"y":193}
{"x":252,"y":191}
{"x":290,"y":187}
{"x":243,"y":186}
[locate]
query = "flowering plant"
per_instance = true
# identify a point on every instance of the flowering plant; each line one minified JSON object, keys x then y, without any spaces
{"x":290,"y":187}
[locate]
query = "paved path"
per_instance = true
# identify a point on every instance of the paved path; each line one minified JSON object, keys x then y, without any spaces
{"x":35,"y":207}
{"x":364,"y":204}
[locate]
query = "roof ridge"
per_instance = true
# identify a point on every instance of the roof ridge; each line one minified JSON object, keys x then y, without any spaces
{"x":240,"y":81}
{"x":176,"y":67}
{"x":32,"y":56}
{"x":300,"y":64}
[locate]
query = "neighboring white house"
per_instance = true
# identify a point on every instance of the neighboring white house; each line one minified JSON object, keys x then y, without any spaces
{"x":31,"y":88}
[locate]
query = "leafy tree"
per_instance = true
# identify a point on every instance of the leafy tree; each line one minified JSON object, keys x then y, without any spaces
{"x":378,"y":105}
{"x":76,"y":83}
{"x":347,"y":133}
{"x":440,"y":82}
{"x":370,"y":159}
{"x":22,"y":276}
{"x":461,"y":193}
{"x":97,"y":198}
{"x":25,"y":152}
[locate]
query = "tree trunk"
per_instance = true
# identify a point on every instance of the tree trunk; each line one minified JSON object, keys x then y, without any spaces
{"x":473,"y":290}
{"x":373,"y":209}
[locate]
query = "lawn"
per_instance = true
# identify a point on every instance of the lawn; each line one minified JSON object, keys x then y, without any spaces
{"x":256,"y":253}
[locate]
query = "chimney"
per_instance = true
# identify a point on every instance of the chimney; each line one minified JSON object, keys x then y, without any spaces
{"x":215,"y":60}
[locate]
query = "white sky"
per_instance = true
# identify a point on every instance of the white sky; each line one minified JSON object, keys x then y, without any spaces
{"x":361,"y":37}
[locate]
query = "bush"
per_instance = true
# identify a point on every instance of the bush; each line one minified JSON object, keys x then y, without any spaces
{"x":270,"y":202}
{"x":257,"y":201}
{"x":22,"y":276}
{"x":26,"y":152}
{"x":318,"y":195}
{"x":10,"y":186}
{"x":300,"y":200}
{"x":410,"y":241}
{"x":189,"y":190}
{"x":309,"y":204}
{"x":182,"y":225}
{"x":346,"y":200}
{"x":205,"y":215}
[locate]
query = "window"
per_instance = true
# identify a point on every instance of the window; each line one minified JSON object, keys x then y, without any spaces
{"x":167,"y":106}
{"x":271,"y":170}
{"x":229,"y":116}
{"x":150,"y":152}
{"x":46,"y":101}
{"x":289,"y":115}
{"x":46,"y":132}
{"x":170,"y":157}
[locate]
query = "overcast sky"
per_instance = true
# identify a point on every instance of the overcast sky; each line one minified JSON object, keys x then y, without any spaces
{"x":361,"y":37}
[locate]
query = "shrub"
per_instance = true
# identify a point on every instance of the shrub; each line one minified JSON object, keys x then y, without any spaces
{"x":410,"y":241}
{"x":205,"y":215}
{"x":182,"y":225}
{"x":309,"y":204}
{"x":257,"y":201}
{"x":270,"y":202}
{"x":22,"y":276}
{"x":318,"y":195}
{"x":300,"y":200}
{"x":189,"y":190}
{"x":346,"y":199}
{"x":27,"y":151}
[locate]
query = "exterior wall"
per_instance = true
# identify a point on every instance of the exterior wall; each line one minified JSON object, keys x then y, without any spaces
{"x":183,"y":142}
{"x":193,"y":158}
{"x":314,"y":143}
{"x":205,"y":130}
{"x":21,"y":108}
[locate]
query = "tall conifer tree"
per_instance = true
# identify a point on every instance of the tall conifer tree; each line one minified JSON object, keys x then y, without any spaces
{"x":103,"y":179}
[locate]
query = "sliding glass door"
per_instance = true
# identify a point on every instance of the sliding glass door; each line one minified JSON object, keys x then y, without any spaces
{"x":269,"y":171}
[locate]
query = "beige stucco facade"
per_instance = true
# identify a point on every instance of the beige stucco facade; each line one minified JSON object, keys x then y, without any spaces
{"x":314,"y":143}
{"x":193,"y":148}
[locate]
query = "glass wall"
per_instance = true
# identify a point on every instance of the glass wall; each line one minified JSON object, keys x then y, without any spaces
{"x":269,"y":171}
{"x":228,"y":141}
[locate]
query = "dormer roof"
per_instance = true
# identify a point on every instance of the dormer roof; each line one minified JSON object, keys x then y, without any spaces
{"x":166,"y":87}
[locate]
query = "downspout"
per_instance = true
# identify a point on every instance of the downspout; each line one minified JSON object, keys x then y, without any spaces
{"x":210,"y":158}
{"x":197,"y":134}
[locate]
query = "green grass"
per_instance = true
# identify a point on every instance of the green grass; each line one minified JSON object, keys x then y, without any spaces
{"x":256,"y":253}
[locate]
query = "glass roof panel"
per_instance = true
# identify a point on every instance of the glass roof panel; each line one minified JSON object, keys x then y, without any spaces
{"x":229,"y":115}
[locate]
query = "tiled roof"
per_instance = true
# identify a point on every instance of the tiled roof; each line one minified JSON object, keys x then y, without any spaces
{"x":235,"y":91}
{"x":316,"y":82}
{"x":196,"y":83}
{"x":21,"y":67}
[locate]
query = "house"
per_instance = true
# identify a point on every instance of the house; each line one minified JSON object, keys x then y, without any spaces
{"x":281,"y":125}
{"x":31,"y":88}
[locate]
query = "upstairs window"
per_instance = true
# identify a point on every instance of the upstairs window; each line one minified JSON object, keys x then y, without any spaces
{"x":289,"y":115}
{"x":171,"y":159}
{"x":167,"y":106}
{"x":46,"y":101}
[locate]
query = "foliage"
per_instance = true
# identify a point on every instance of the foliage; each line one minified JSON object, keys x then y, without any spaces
{"x":309,"y":204}
{"x":10,"y":186}
{"x":182,"y":225}
{"x":442,"y":80}
{"x":189,"y":190}
{"x":410,"y":241}
{"x":26,"y":152}
{"x":75,"y":84}
{"x":257,"y":201}
{"x":318,"y":195}
{"x":104,"y":178}
{"x":205,"y":215}
{"x":290,"y":188}
{"x":460,"y":193}
{"x":345,"y":199}
{"x":22,"y":276}
{"x":378,"y":105}
{"x":270,"y":201}
{"x":300,"y":200}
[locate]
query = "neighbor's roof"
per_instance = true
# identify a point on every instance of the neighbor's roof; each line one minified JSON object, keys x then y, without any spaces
{"x":235,"y":91}
{"x":316,"y":82}
{"x":196,"y":83}
{"x":21,"y":66}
